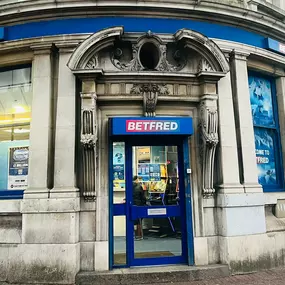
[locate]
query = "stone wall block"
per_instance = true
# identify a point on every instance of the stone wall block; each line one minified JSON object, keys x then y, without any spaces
{"x":37,"y":228}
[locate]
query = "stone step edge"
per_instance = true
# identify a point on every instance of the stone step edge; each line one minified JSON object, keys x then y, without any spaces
{"x":146,"y":275}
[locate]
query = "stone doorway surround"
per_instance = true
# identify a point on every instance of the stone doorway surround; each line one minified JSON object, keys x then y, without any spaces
{"x":183,"y":81}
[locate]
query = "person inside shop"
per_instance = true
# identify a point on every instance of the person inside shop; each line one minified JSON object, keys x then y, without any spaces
{"x":138,"y":200}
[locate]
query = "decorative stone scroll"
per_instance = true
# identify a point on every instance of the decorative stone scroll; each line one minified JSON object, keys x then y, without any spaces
{"x":150,"y":92}
{"x":162,"y":63}
{"x":88,"y":141}
{"x":208,"y":124}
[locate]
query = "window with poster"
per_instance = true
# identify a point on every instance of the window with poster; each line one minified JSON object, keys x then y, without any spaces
{"x":157,"y":169}
{"x":15,"y":118}
{"x":266,"y":132}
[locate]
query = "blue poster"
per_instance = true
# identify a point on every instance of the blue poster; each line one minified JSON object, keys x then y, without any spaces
{"x":149,"y":172}
{"x":18,"y":168}
{"x":154,"y":172}
{"x":261,"y":101}
{"x":264,"y":148}
{"x":118,"y":153}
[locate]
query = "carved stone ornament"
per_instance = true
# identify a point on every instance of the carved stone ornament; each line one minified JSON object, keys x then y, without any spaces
{"x":133,"y":65}
{"x":164,"y":64}
{"x":150,"y":92}
{"x":208,"y":124}
{"x":204,"y":65}
{"x":88,"y":140}
{"x":117,"y":56}
{"x":92,"y":63}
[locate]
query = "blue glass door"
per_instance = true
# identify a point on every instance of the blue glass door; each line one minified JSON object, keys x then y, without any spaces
{"x":148,"y":204}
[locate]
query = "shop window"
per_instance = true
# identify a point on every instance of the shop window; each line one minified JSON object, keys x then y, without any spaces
{"x":15,"y":118}
{"x":266,"y":132}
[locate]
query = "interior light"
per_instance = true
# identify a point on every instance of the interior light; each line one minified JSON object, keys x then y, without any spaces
{"x":18,"y":131}
{"x":19,"y":109}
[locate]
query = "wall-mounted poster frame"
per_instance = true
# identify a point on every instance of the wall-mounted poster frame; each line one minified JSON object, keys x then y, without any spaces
{"x":266,"y":131}
{"x":18,"y":163}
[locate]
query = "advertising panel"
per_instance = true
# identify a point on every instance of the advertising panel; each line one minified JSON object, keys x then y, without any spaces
{"x":149,"y":171}
{"x":261,"y":101}
{"x":119,"y":166}
{"x":18,"y":168}
{"x":265,"y":158}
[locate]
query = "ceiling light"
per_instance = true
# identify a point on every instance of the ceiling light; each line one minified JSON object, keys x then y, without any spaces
{"x":18,"y":131}
{"x":19,"y":109}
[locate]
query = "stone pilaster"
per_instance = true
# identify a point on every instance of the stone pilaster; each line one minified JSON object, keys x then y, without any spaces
{"x":41,"y":132}
{"x":228,"y":159}
{"x":238,"y":213}
{"x":64,"y":161}
{"x":244,"y":125}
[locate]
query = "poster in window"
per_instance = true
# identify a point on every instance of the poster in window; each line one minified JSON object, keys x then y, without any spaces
{"x":119,"y":166}
{"x":118,"y":153}
{"x":261,"y":101}
{"x":143,"y":171}
{"x":265,"y":158}
{"x":18,"y":168}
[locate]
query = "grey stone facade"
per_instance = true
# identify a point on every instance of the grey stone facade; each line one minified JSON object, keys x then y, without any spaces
{"x":61,"y":226}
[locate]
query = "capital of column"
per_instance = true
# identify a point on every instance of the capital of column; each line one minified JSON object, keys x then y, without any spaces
{"x":67,"y":47}
{"x":44,"y":48}
{"x":239,"y":55}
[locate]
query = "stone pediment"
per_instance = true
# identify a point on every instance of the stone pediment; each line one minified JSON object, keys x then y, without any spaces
{"x":110,"y":51}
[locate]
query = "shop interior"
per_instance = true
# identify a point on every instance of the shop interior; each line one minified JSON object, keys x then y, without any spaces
{"x":156,"y":168}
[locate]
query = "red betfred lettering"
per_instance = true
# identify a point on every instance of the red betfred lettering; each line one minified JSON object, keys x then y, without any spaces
{"x":150,"y":126}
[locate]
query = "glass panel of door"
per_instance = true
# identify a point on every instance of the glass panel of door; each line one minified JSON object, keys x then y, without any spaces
{"x":148,"y":224}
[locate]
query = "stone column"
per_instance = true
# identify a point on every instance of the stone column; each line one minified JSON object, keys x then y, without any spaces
{"x":228,"y":158}
{"x":240,"y":215}
{"x":41,"y":132}
{"x":50,"y":250}
{"x":244,"y":125}
{"x":64,"y":161}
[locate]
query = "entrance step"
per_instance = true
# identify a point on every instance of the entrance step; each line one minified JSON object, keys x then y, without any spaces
{"x":147,"y":275}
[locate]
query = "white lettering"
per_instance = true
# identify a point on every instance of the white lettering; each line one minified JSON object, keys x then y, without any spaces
{"x":145,"y":125}
{"x":152,"y":126}
{"x":173,"y":126}
{"x":139,"y":126}
{"x":166,"y":126}
{"x":282,"y":48}
{"x":131,"y":126}
{"x":261,"y":160}
{"x":159,"y":126}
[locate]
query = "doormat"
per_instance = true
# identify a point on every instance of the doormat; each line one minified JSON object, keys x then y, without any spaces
{"x":120,"y":258}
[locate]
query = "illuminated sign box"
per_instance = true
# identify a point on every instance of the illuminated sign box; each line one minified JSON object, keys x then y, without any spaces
{"x":151,"y":126}
{"x":276,"y":46}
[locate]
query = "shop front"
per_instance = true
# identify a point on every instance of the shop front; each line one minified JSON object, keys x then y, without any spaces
{"x":147,"y":109}
{"x":150,"y":200}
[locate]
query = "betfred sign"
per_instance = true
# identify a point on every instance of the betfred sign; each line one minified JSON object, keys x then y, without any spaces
{"x":276,"y":46}
{"x":282,"y":48}
{"x":151,"y":126}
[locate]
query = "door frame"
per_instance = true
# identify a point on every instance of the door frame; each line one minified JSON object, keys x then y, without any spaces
{"x":186,"y":209}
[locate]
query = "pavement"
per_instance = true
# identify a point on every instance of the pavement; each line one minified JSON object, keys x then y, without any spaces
{"x":267,"y":277}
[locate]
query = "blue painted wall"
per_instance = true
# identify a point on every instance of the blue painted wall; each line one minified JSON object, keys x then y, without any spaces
{"x":131,"y":24}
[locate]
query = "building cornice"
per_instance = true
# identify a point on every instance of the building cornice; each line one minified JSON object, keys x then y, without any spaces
{"x":71,"y":41}
{"x":265,"y":21}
